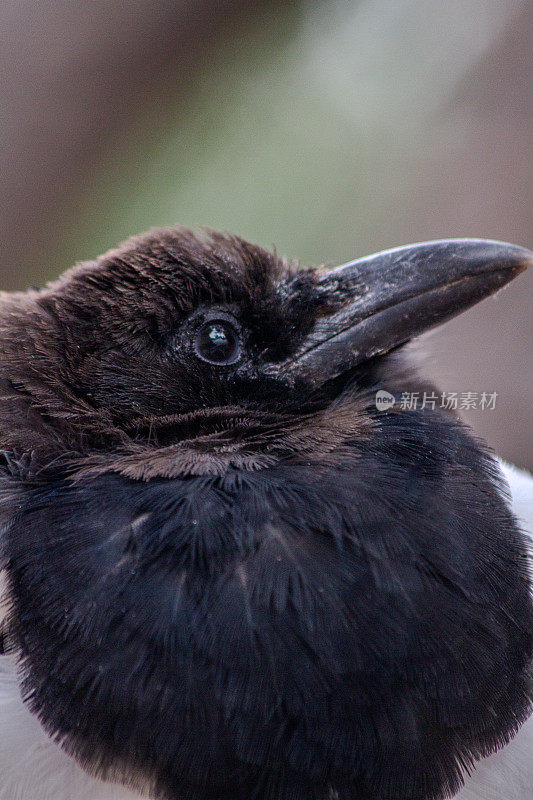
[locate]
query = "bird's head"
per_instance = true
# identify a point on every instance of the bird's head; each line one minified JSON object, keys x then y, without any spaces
{"x":183,"y":353}
{"x":228,"y":572}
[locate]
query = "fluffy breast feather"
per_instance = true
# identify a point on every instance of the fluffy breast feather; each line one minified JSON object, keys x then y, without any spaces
{"x":33,"y":767}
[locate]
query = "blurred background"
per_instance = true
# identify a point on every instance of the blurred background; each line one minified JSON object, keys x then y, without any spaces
{"x":328,"y":129}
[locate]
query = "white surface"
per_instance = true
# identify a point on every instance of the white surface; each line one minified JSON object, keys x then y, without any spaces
{"x":32,"y":767}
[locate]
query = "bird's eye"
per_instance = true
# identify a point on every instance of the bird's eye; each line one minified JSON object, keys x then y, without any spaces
{"x":218,"y":342}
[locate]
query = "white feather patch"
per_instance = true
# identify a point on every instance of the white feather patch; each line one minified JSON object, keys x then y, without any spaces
{"x":521,"y":486}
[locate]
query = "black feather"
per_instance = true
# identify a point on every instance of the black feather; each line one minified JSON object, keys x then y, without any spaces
{"x":303,"y":597}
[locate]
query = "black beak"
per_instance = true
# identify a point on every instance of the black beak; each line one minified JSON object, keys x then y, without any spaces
{"x":383,"y":300}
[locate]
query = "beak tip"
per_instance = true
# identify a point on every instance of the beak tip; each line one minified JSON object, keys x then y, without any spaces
{"x":516,"y":261}
{"x":498,"y":258}
{"x":526,"y":261}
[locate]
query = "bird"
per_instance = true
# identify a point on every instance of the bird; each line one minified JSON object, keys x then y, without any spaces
{"x":227,"y":571}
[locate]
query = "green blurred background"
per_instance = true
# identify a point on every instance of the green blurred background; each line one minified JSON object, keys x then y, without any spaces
{"x":326,"y":129}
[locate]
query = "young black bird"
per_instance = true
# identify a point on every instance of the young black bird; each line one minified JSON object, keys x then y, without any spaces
{"x":228,"y":574}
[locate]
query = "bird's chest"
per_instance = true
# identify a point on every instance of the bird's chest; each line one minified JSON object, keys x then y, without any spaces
{"x":204,"y":627}
{"x":228,"y":588}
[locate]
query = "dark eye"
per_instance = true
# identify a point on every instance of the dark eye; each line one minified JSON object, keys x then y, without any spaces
{"x":218,"y":342}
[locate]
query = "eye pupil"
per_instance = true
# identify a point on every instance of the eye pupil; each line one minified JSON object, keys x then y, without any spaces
{"x":218,"y":342}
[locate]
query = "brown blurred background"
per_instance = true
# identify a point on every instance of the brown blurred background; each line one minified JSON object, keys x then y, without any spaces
{"x":328,"y":129}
